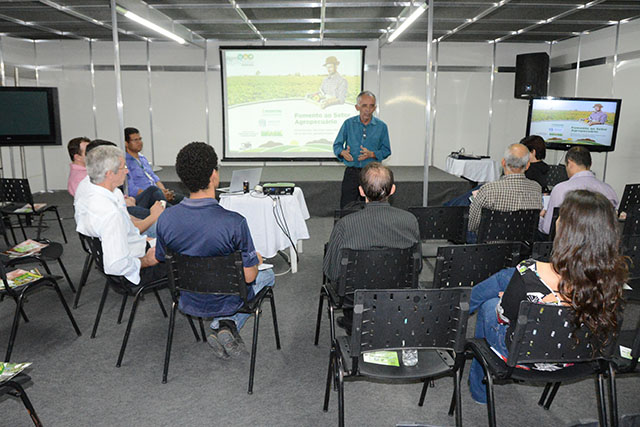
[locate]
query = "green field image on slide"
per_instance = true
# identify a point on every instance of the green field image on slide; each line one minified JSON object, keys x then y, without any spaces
{"x":548,"y":115}
{"x":308,"y":148}
{"x":244,"y":89}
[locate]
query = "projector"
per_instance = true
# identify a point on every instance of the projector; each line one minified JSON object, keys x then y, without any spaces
{"x":278,"y":188}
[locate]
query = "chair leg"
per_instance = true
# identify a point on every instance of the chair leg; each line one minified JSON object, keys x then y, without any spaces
{"x":13,"y":234}
{"x":26,"y":402}
{"x":39,"y":227}
{"x":132,"y":316}
{"x":340,"y":381}
{"x":167,"y":353}
{"x":64,"y":236}
{"x":545,"y":392}
{"x":66,"y":275}
{"x":423,"y":393}
{"x":22,"y":227}
{"x":124,"y":302}
{"x":204,"y":334}
{"x":275,"y":319}
{"x":458,"y":398}
{"x":164,"y":312}
{"x":66,"y":307}
{"x":613,"y":397}
{"x":24,"y":315}
{"x":552,"y":395}
{"x":602,"y":409}
{"x":319,"y":318}
{"x":14,"y":327}
{"x":100,"y":307}
{"x":327,"y":389}
{"x":193,"y":328}
{"x":83,"y":278}
{"x":491,"y":406}
{"x":254,"y":347}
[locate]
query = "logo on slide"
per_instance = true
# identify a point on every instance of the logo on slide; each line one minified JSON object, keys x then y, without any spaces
{"x":245,"y":56}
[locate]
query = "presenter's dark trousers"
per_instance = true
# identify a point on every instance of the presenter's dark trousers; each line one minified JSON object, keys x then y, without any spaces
{"x":350,"y":183}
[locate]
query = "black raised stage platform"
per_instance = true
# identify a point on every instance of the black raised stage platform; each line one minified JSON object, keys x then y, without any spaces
{"x":321,"y":184}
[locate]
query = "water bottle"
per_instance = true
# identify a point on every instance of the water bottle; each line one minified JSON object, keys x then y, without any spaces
{"x":409,"y":357}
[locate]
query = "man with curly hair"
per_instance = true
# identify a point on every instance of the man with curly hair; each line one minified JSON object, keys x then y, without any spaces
{"x":199,"y":226}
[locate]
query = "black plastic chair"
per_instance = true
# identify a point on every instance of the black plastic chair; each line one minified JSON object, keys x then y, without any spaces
{"x":86,"y":268}
{"x":121,"y":286}
{"x":541,"y":251}
{"x":19,"y":293}
{"x":630,"y":197}
{"x":17,"y":193}
{"x":631,"y":223}
{"x":468,"y":265}
{"x":512,"y":226}
{"x":544,"y":333}
{"x":14,"y":387}
{"x":631,"y":250}
{"x":442,"y":222}
{"x":622,"y":365}
{"x":368,"y":269}
{"x":555,"y":214}
{"x":432,"y":321}
{"x":556,"y":175}
{"x":222,"y":275}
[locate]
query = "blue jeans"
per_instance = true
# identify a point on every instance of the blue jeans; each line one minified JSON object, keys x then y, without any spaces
{"x":148,"y":197}
{"x":138,"y":212}
{"x":151,"y":231}
{"x":264,"y":278}
{"x":484,"y":299}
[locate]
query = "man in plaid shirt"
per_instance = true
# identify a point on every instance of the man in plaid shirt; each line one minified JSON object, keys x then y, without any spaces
{"x":511,"y":192}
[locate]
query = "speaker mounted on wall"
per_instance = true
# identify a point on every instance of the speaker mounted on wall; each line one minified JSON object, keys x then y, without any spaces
{"x":532,"y":72}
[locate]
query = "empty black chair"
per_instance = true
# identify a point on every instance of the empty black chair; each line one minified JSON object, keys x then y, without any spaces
{"x":431,"y":321}
{"x":543,"y":333}
{"x":442,"y":222}
{"x":556,"y":175}
{"x":123,"y":287}
{"x":368,"y":269}
{"x":630,"y":197}
{"x":19,"y":293}
{"x":17,"y":193}
{"x":519,"y":226}
{"x":223,"y":275}
{"x":541,"y":251}
{"x":14,"y":386}
{"x":468,"y":265}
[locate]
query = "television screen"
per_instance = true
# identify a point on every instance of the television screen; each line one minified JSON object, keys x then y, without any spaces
{"x":29,"y":116}
{"x":284,"y":103}
{"x":566,"y":122}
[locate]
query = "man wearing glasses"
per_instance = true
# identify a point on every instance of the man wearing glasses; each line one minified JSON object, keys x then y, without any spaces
{"x":362,"y":139}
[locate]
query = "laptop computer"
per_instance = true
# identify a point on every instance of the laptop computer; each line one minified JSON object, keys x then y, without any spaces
{"x":239,"y":177}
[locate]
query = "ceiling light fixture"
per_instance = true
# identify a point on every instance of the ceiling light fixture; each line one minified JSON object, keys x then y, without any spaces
{"x":410,"y":20}
{"x":158,"y":29}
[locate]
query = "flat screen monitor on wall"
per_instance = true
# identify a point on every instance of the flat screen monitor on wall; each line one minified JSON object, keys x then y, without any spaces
{"x":29,"y":116}
{"x":287,"y":103}
{"x":567,"y":122}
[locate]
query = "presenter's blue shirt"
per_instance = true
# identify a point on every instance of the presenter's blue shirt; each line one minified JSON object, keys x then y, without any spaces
{"x":374,"y":137}
{"x":201,"y":227}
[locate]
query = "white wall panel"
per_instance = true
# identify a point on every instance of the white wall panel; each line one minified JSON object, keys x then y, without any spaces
{"x":629,"y":36}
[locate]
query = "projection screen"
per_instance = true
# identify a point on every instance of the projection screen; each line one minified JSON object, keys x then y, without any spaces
{"x":284,"y":103}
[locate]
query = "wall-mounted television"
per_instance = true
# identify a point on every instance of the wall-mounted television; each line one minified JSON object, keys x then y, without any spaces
{"x":29,"y":116}
{"x":567,"y":122}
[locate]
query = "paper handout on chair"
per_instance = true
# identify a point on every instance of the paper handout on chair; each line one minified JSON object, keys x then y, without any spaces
{"x":26,"y":248}
{"x":27,"y":208}
{"x":21,"y":277}
{"x":10,"y":370}
{"x":625,"y":352}
{"x":387,"y":358}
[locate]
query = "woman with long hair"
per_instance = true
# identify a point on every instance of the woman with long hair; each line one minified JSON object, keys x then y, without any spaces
{"x":586,"y":273}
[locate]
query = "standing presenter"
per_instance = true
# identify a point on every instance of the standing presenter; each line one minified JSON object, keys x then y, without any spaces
{"x":362,"y":139}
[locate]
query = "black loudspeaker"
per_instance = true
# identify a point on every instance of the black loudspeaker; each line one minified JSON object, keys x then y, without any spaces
{"x":532,"y":72}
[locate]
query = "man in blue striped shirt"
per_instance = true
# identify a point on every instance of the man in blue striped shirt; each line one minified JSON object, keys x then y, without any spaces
{"x":362,"y":139}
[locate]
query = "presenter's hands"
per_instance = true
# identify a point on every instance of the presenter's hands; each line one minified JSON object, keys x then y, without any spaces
{"x":346,"y":154}
{"x":365,"y":154}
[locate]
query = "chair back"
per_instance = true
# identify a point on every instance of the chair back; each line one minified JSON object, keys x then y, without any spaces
{"x":14,"y":190}
{"x":555,"y":214}
{"x":631,"y":250}
{"x":632,"y":222}
{"x":520,"y":225}
{"x":387,"y":268}
{"x":630,"y":197}
{"x":544,"y":333}
{"x":556,"y":175}
{"x":84,"y":243}
{"x":541,"y":251}
{"x":409,"y":318}
{"x":222,"y":275}
{"x":442,"y":222}
{"x":94,"y":245}
{"x":468,"y":265}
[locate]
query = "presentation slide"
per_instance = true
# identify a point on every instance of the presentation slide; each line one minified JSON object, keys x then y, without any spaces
{"x":563,"y":121}
{"x":287,"y":103}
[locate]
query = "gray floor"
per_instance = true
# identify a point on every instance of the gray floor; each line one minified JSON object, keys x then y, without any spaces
{"x":76,"y":383}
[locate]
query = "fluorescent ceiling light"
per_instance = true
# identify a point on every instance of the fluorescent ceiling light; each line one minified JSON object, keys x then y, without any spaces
{"x":152,"y":26}
{"x":415,"y":15}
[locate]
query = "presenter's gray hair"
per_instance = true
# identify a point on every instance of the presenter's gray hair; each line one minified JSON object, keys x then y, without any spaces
{"x":513,"y":161}
{"x":365,"y":93}
{"x":102,"y":159}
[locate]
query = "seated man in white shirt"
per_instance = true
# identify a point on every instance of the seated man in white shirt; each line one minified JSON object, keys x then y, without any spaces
{"x":100,"y":213}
